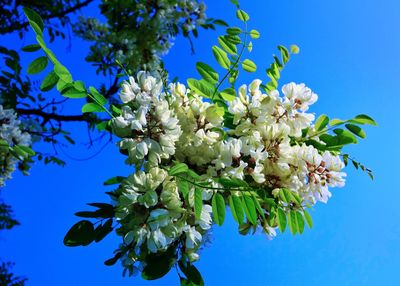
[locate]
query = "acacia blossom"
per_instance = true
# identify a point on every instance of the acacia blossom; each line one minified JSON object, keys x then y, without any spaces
{"x":158,"y":128}
{"x":10,"y":131}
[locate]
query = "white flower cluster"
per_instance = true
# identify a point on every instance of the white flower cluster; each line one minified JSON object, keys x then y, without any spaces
{"x":10,"y":131}
{"x":158,"y":128}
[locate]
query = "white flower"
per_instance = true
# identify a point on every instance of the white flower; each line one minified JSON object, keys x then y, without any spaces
{"x":299,"y":96}
{"x":129,"y":90}
{"x":205,"y":217}
{"x":193,"y":237}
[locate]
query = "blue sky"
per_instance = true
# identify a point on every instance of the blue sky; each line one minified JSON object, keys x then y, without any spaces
{"x":350,"y":58}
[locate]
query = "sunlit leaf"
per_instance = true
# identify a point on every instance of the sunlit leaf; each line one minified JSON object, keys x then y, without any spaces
{"x":218,"y":208}
{"x":249,"y":65}
{"x":221,"y":57}
{"x":37,"y":65}
{"x":207,"y":72}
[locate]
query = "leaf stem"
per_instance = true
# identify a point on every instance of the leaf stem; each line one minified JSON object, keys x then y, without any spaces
{"x":235,"y":64}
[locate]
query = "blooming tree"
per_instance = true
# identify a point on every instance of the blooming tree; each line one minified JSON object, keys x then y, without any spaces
{"x":199,"y":147}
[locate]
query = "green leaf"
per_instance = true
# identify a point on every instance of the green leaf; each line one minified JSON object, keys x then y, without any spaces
{"x":308,"y":218}
{"x":233,"y":39}
{"x":102,"y":230}
{"x":228,"y":94}
{"x":37,"y":65}
{"x":92,"y":107}
{"x":99,"y":98}
{"x":218,"y":208}
{"x":34,"y":18}
{"x":220,"y":22}
{"x":250,"y":47}
{"x":183,"y":187}
{"x":4,"y":143}
{"x":178,"y":169}
{"x":236,"y":207}
{"x":69,"y":139}
{"x":322,"y":122}
{"x":250,"y":208}
{"x":232,"y":182}
{"x":233,"y":31}
{"x":19,"y":153}
{"x":198,"y":202}
{"x":257,"y":204}
{"x":114,"y":180}
{"x":294,"y":49}
{"x":371,"y":176}
{"x":221,"y":57}
{"x":191,"y":272}
{"x":31,"y":48}
{"x":335,"y":122}
{"x":88,"y":214}
{"x":345,"y":137}
{"x":285,"y":195}
{"x":207,"y":72}
{"x":113,"y":260}
{"x":49,"y":81}
{"x":300,"y":222}
{"x":157,"y":266}
{"x":79,"y":85}
{"x":199,"y":87}
{"x":81,"y":233}
{"x":102,"y":125}
{"x":284,"y":53}
{"x":363,"y":119}
{"x":27,"y":150}
{"x":356,"y":130}
{"x":292,"y":222}
{"x":281,"y":220}
{"x":242,"y":15}
{"x":63,"y":73}
{"x":71,"y":92}
{"x":249,"y":65}
{"x":254,"y":34}
{"x":227,"y":46}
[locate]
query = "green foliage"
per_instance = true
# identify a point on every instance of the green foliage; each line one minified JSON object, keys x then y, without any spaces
{"x":37,"y":65}
{"x":228,"y":94}
{"x":7,"y":278}
{"x":80,"y":234}
{"x":221,"y":57}
{"x":207,"y":72}
{"x":281,"y":219}
{"x":321,"y":122}
{"x":178,"y":169}
{"x":242,"y":15}
{"x":49,"y":82}
{"x":158,"y":265}
{"x":250,"y":205}
{"x":218,"y":208}
{"x":236,"y":207}
{"x":31,"y":48}
{"x":192,"y":274}
{"x":198,"y":202}
{"x":254,"y":34}
{"x":200,"y":87}
{"x":114,"y":180}
{"x":249,"y":65}
{"x":7,"y":220}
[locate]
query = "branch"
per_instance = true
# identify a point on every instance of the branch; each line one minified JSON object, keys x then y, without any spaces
{"x":61,"y":14}
{"x":54,"y":116}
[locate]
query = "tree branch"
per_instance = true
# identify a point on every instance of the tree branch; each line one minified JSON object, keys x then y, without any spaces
{"x":23,"y":25}
{"x":54,"y":116}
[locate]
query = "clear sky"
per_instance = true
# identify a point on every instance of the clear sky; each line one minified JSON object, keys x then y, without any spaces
{"x":350,"y":56}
